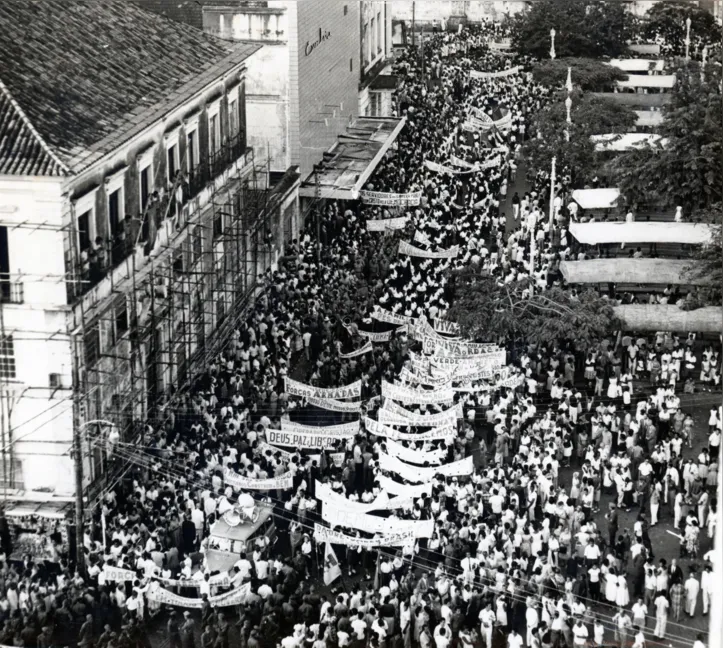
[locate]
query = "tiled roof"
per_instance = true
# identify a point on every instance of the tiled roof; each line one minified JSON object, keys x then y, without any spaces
{"x":188,"y":11}
{"x":88,"y":74}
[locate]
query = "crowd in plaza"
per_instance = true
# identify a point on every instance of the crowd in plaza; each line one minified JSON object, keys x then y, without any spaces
{"x":517,"y":548}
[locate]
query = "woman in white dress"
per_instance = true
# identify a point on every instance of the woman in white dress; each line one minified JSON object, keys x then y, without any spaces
{"x":611,"y":586}
{"x":622,"y":595}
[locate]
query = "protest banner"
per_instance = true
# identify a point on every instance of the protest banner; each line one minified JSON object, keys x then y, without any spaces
{"x":390,"y":199}
{"x":416,"y":474}
{"x":421,"y":237}
{"x":409,"y":395}
{"x":335,"y":405}
{"x":460,"y":162}
{"x":376,"y":337}
{"x":411,"y":250}
{"x":413,"y":456}
{"x":435,"y":434}
{"x":408,"y":418}
{"x":367,"y":348}
{"x":234,"y":597}
{"x":494,"y":75}
{"x":444,"y":347}
{"x":281,"y":482}
{"x":466,"y":381}
{"x":446,"y":327}
{"x":325,"y":534}
{"x":373,"y":524}
{"x":263,"y":447}
{"x":341,"y":430}
{"x":382,"y":225}
{"x":440,"y":168}
{"x":405,"y":491}
{"x":326,"y":495}
{"x":413,"y":378}
{"x":118,"y":574}
{"x":383,"y":315}
{"x":295,"y":388}
{"x":219,"y":580}
{"x":304,"y":441}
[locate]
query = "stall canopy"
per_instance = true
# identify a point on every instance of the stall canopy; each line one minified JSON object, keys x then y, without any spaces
{"x":664,"y":81}
{"x":349,"y":163}
{"x":626,"y":141}
{"x":47,"y":510}
{"x":638,"y":65}
{"x":632,"y":271}
{"x":668,"y":317}
{"x":644,"y":232}
{"x":646,"y":49}
{"x":596,"y":198}
{"x":637,"y":99}
{"x":648,"y":118}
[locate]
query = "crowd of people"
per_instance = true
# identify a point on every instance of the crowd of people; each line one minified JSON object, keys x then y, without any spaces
{"x":514,"y":550}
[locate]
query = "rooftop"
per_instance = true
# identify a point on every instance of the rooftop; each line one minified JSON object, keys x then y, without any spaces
{"x":78,"y":78}
{"x":188,"y":11}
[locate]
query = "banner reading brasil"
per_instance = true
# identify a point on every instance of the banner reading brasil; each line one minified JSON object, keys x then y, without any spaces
{"x":390,"y":199}
{"x":324,"y":534}
{"x":295,"y":388}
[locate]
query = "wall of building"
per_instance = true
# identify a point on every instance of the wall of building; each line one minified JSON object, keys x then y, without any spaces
{"x":37,"y":418}
{"x":326,"y":71}
{"x":472,"y":10}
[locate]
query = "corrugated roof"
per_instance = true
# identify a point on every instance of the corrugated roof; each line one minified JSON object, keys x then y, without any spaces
{"x":88,"y":74}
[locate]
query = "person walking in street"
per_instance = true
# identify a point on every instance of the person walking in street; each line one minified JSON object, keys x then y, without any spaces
{"x":692,"y":587}
{"x":661,"y":616}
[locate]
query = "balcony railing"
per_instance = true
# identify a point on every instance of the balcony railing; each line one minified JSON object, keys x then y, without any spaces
{"x":103,"y":258}
{"x":11,"y":289}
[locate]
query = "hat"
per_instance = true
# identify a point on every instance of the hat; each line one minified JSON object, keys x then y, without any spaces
{"x":186,"y":613}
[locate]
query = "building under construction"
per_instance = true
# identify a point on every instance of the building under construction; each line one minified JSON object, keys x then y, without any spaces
{"x":134,"y":224}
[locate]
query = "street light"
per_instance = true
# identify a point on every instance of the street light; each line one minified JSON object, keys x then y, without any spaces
{"x":568,"y":83}
{"x":687,"y":38}
{"x":552,"y":43}
{"x":704,"y":60}
{"x":568,"y":119}
{"x":553,"y":179}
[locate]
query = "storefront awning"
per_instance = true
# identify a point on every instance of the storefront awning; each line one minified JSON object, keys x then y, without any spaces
{"x":631,"y":271}
{"x":638,"y":65}
{"x":646,"y":49}
{"x":626,"y":141}
{"x":596,"y":198}
{"x":647,"y":232}
{"x":351,"y":161}
{"x":668,"y":317}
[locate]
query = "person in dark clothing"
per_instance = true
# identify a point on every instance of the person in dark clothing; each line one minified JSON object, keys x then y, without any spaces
{"x":188,"y":534}
{"x":173,"y":630}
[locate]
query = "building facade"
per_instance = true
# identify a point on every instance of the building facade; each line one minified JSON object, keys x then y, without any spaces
{"x":133,"y":226}
{"x":376,"y":84}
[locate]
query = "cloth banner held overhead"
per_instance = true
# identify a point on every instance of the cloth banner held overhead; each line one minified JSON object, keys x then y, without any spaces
{"x":412,"y":456}
{"x":440,"y":168}
{"x":263,"y":447}
{"x":404,"y":490}
{"x":396,"y":415}
{"x":281,"y":482}
{"x":377,"y":337}
{"x":325,"y":534}
{"x":414,"y":378}
{"x":326,"y":495}
{"x":416,"y":474}
{"x":390,"y":199}
{"x":332,"y":570}
{"x":367,"y":348}
{"x":376,"y":428}
{"x":494,"y":75}
{"x":295,"y":388}
{"x":387,"y":224}
{"x":306,"y":441}
{"x":444,"y":326}
{"x":411,"y":250}
{"x":464,"y":380}
{"x":421,"y":237}
{"x":460,"y":162}
{"x":118,"y":574}
{"x":373,"y":524}
{"x":234,"y":597}
{"x":444,"y":347}
{"x":335,"y":405}
{"x":219,"y":580}
{"x":383,"y":315}
{"x":343,"y":429}
{"x":414,"y":396}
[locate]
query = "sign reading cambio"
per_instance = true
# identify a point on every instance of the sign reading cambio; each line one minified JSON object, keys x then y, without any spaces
{"x":310,"y":46}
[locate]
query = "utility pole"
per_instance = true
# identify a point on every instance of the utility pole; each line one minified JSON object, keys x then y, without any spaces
{"x":317,"y":200}
{"x":532,"y":221}
{"x":553,"y":179}
{"x":414,"y":24}
{"x":78,"y":463}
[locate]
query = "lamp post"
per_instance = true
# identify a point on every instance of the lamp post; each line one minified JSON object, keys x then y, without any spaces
{"x":553,"y":179}
{"x":687,"y":38}
{"x":704,"y":60}
{"x":552,"y":44}
{"x":568,"y":103}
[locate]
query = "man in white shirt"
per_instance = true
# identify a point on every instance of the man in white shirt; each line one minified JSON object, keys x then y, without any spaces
{"x":579,"y":633}
{"x":487,"y":622}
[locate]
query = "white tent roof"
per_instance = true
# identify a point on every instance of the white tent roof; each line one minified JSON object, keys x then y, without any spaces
{"x":668,"y":317}
{"x":626,"y":141}
{"x":645,"y":48}
{"x":631,"y":271}
{"x":638,"y":65}
{"x":646,"y":232}
{"x":666,"y":81}
{"x":595,"y":198}
{"x":649,"y":117}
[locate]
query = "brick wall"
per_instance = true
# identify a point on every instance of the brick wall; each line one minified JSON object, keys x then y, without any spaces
{"x":328,"y":73}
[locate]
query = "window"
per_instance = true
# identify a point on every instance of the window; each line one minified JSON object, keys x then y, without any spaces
{"x":192,"y":153}
{"x":114,"y":190}
{"x":351,"y":65}
{"x":145,"y":177}
{"x":233,"y":118}
{"x":372,"y":43}
{"x":145,"y":186}
{"x":197,"y":244}
{"x":380,"y":38}
{"x":172,"y":162}
{"x":214,"y":127}
{"x":7,"y":357}
{"x":217,"y":224}
{"x":85,"y":217}
{"x":91,"y":342}
{"x":121,"y":316}
{"x":346,"y":9}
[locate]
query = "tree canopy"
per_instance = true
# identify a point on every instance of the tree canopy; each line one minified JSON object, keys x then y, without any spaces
{"x":667,"y":18}
{"x":485,"y":310}
{"x":587,"y":28}
{"x":688,"y":170}
{"x":589,"y":74}
{"x":590,"y":115}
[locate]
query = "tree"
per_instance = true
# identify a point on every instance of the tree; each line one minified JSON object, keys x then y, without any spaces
{"x":589,"y":74}
{"x":590,"y":115}
{"x":709,"y":258}
{"x":486,"y":311}
{"x":666,"y":19}
{"x":687,"y":171}
{"x":589,"y":28}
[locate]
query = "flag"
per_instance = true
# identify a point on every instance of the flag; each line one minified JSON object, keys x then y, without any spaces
{"x":332,"y":571}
